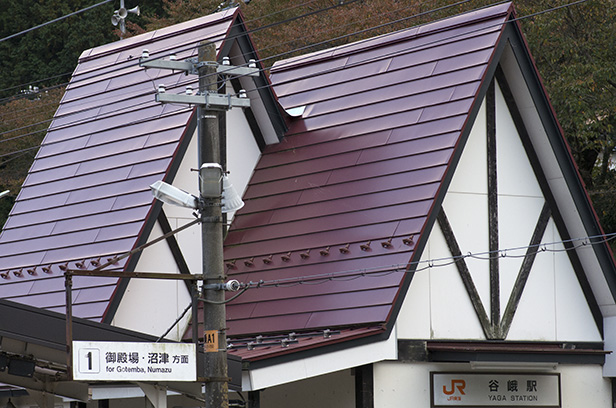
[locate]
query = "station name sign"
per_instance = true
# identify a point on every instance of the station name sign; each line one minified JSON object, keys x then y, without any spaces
{"x":125,"y":361}
{"x":495,"y":390}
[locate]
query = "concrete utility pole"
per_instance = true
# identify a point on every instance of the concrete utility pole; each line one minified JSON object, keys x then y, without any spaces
{"x":214,"y":314}
{"x":210,"y":105}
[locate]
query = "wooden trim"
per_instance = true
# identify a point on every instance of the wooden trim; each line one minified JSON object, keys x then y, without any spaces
{"x":364,"y":386}
{"x":547,"y":193}
{"x":454,"y":248}
{"x":492,"y":205}
{"x":173,"y":244}
{"x":527,"y":264}
{"x":507,"y":351}
{"x":254,"y":399}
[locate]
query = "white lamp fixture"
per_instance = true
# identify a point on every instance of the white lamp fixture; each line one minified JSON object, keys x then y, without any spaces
{"x":213,"y":184}
{"x":173,"y":195}
{"x":231,"y":200}
{"x":211,"y":180}
{"x":5,"y":192}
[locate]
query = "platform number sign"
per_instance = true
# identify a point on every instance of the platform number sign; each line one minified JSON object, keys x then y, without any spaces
{"x":134,"y":361}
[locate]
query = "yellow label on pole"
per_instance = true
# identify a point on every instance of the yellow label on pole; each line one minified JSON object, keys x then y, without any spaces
{"x":211,"y":340}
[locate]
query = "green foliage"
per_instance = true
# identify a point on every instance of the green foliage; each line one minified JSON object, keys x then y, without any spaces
{"x":23,"y":121}
{"x":574,"y":49}
{"x":50,"y":51}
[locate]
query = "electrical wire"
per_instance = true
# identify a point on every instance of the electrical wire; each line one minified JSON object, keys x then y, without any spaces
{"x":192,"y":80}
{"x":351,"y":34}
{"x":54,"y":20}
{"x":330,"y":40}
{"x":96,"y":107}
{"x":192,"y":47}
{"x":347,"y":36}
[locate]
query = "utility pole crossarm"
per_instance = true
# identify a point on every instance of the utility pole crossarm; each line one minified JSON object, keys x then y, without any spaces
{"x":211,"y":101}
{"x":187,"y":66}
{"x":192,"y":65}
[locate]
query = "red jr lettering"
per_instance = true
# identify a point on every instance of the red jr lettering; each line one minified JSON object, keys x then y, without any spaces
{"x":459,"y":384}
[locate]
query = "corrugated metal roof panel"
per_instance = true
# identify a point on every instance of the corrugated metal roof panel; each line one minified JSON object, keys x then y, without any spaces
{"x":87,"y":194}
{"x":347,"y":192}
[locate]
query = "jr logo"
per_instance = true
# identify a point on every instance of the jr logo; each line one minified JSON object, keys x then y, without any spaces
{"x":459,"y":384}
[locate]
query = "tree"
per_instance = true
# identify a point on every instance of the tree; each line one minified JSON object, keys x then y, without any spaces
{"x":573,"y":46}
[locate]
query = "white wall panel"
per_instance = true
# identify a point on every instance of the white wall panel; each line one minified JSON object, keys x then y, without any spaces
{"x":471,"y":171}
{"x":574,"y":320}
{"x":515,"y":173}
{"x":242,"y":150}
{"x":535,"y":318}
{"x":321,"y":364}
{"x":468,"y":217}
{"x":415,"y":317}
{"x":518,"y":218}
{"x":165,"y":299}
{"x":398,"y":384}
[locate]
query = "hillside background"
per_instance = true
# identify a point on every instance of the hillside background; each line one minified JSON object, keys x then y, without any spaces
{"x":574,"y":47}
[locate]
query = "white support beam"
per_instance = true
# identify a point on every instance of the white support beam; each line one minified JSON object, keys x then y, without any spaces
{"x":156,"y":394}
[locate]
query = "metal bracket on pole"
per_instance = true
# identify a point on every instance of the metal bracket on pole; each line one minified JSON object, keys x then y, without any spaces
{"x":187,"y":66}
{"x":192,"y":65}
{"x":210,"y":101}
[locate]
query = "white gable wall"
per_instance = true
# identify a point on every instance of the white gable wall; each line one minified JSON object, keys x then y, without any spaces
{"x":167,"y":299}
{"x":556,"y":180}
{"x":151,"y":306}
{"x":552,"y":306}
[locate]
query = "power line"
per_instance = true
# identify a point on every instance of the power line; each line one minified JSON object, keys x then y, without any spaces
{"x":317,"y":279}
{"x":54,"y":20}
{"x":278,"y":55}
{"x":190,"y":47}
{"x":311,"y":56}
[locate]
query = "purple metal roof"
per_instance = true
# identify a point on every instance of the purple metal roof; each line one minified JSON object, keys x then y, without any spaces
{"x":334,"y":211}
{"x":87,"y":196}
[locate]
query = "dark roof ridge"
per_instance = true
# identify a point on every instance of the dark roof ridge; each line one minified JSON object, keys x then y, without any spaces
{"x":483,"y":14}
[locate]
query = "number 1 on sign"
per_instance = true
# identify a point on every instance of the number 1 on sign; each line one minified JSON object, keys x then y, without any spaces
{"x":89,"y":360}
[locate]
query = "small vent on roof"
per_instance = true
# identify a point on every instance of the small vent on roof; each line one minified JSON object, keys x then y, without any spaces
{"x":296,"y":112}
